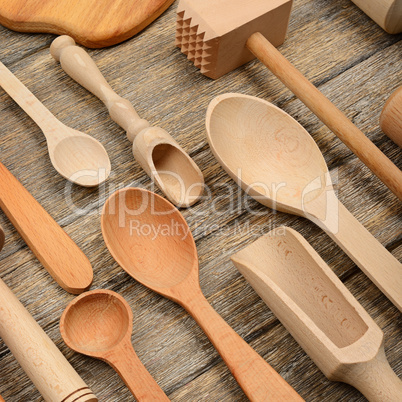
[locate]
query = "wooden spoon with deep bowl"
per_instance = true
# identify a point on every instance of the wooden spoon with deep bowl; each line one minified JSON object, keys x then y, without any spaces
{"x":152,"y":242}
{"x":275,"y":160}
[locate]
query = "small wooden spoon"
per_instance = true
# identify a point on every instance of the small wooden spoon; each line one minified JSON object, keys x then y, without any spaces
{"x":75,"y":155}
{"x":99,"y":324}
{"x":274,"y":159}
{"x":164,"y":160}
{"x":152,"y":242}
{"x":319,"y":312}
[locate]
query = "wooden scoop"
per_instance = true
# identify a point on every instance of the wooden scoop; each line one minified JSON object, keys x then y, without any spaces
{"x":152,"y":242}
{"x":61,"y":257}
{"x":164,"y":160}
{"x":319,"y":312}
{"x":39,"y":357}
{"x":99,"y":324}
{"x":75,"y":155}
{"x":274,"y":159}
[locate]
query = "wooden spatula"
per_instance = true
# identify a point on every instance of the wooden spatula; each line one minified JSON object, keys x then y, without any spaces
{"x":92,"y":23}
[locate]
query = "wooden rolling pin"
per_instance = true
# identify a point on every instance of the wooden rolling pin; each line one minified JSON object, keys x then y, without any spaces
{"x":386,"y":13}
{"x":62,"y":258}
{"x":44,"y":364}
{"x":220,"y":38}
{"x":391,"y":117}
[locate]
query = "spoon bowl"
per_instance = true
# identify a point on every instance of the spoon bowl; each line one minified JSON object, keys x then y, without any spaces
{"x":320,"y":313}
{"x":99,"y":324}
{"x":152,"y":242}
{"x":91,"y":164}
{"x":276,"y":161}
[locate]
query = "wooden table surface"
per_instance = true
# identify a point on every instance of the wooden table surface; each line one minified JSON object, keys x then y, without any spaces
{"x":353,"y":61}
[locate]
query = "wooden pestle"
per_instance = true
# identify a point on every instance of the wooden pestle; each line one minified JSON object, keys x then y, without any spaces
{"x":42,"y":361}
{"x":252,"y":29}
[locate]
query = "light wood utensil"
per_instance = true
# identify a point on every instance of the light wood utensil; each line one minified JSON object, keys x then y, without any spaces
{"x":164,"y":160}
{"x":168,"y":264}
{"x":44,"y":364}
{"x":274,"y":159}
{"x":52,"y":246}
{"x":93,"y":23}
{"x":319,"y":312}
{"x":386,"y":13}
{"x":75,"y":155}
{"x":1,"y":399}
{"x":221,"y":37}
{"x":391,"y":117}
{"x":99,"y":324}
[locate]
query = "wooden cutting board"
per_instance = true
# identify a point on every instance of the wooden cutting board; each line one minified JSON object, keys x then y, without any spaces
{"x":92,"y":23}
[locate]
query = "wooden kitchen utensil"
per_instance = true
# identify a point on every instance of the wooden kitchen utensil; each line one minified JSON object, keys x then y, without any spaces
{"x":386,"y":13}
{"x":99,"y":324}
{"x":75,"y":155}
{"x":44,"y":364}
{"x":319,"y":312}
{"x":93,"y":23}
{"x":274,"y":159}
{"x":391,"y":117}
{"x":221,"y":37}
{"x":167,"y":263}
{"x":164,"y":160}
{"x":1,"y":399}
{"x":60,"y":256}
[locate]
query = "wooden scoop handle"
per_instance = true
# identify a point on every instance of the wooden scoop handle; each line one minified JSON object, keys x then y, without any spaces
{"x":48,"y":369}
{"x":327,"y":112}
{"x":52,"y":246}
{"x":259,"y":381}
{"x":374,"y":379}
{"x":77,"y":63}
{"x":137,"y":378}
{"x":366,"y":252}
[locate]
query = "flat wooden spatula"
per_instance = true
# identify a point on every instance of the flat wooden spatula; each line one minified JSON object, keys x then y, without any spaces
{"x":92,"y":23}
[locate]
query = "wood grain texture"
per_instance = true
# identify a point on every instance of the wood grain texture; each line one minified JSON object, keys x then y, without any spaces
{"x":92,"y":23}
{"x":338,"y":48}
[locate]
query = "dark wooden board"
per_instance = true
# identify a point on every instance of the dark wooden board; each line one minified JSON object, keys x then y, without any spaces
{"x":353,"y":61}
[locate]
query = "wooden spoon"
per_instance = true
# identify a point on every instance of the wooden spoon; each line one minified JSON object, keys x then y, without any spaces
{"x":319,"y":312}
{"x":164,"y":160}
{"x":99,"y":324}
{"x":75,"y":155}
{"x":276,"y":161}
{"x":151,"y":241}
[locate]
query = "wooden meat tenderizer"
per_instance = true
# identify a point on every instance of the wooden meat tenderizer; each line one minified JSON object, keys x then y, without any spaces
{"x":221,"y":36}
{"x":391,"y":117}
{"x":41,"y":360}
{"x":386,"y":13}
{"x":164,"y":160}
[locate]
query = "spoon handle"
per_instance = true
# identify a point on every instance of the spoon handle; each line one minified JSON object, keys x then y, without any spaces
{"x":62,"y":258}
{"x":259,"y":381}
{"x":77,"y":63}
{"x":27,"y":101}
{"x":375,"y":379}
{"x":126,"y":363}
{"x":366,"y":252}
{"x":328,"y":113}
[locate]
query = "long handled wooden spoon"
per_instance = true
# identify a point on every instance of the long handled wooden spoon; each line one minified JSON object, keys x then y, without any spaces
{"x":99,"y":324}
{"x":275,"y":160}
{"x":152,"y":242}
{"x":45,"y":365}
{"x":52,"y":246}
{"x":164,"y":160}
{"x":75,"y":155}
{"x":319,"y":312}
